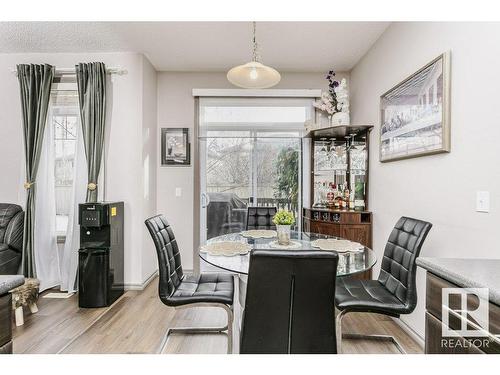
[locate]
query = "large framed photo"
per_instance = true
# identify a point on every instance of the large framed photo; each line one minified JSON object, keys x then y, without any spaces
{"x":415,"y":114}
{"x":175,"y":146}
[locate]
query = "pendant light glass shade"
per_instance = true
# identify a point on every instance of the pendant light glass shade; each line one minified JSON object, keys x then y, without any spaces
{"x":253,"y":75}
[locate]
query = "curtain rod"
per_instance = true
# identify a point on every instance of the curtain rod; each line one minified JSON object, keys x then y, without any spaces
{"x":71,"y":71}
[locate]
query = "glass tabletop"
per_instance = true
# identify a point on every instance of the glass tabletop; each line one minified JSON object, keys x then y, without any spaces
{"x":350,"y":263}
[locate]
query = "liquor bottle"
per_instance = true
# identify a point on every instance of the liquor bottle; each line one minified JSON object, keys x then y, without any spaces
{"x":338,"y":198}
{"x":338,"y":202}
{"x":346,"y":197}
{"x":359,"y":196}
{"x":351,"y":202}
{"x":331,"y":195}
{"x":322,"y":193}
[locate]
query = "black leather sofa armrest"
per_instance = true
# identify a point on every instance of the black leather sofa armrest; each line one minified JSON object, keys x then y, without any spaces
{"x":14,"y":232}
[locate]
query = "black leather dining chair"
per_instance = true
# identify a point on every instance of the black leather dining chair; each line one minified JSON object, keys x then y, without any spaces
{"x":289,"y":305}
{"x":180,"y":291}
{"x":261,"y":217}
{"x":394,"y":292}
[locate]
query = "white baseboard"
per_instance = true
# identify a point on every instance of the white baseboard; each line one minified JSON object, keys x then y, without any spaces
{"x":414,"y":335}
{"x":141,"y":286}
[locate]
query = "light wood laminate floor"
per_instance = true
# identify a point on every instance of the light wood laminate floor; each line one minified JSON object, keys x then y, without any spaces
{"x":137,"y":322}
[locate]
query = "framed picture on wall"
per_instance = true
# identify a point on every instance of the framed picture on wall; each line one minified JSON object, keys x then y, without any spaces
{"x":415,"y":114}
{"x":175,"y":147}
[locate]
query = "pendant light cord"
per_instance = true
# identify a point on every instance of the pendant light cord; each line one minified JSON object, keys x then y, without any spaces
{"x":256,"y":56}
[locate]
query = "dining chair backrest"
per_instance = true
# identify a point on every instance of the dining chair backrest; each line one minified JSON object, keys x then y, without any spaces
{"x":398,"y":269}
{"x":261,"y":217}
{"x":289,"y":306}
{"x":169,"y":257}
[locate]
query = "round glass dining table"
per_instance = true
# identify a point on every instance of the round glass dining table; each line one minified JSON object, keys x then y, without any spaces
{"x":350,"y":263}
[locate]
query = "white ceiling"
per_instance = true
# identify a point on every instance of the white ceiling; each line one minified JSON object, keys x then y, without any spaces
{"x":203,"y":46}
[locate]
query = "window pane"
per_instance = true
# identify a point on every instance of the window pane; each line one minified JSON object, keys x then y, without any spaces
{"x":228,"y":169}
{"x":278,"y":164}
{"x":266,"y":115}
{"x":64,"y":116}
{"x":228,"y":166}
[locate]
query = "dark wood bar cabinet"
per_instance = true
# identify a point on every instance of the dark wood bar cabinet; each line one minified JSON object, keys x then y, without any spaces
{"x":339,"y":184}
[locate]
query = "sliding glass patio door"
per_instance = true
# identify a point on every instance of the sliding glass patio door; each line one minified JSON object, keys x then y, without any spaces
{"x":226,"y":184}
{"x":250,"y":155}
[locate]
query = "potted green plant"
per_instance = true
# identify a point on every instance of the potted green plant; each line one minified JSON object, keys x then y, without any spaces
{"x":283,"y":219}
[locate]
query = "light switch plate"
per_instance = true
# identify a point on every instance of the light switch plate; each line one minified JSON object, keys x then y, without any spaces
{"x":178,"y":192}
{"x":483,"y":201}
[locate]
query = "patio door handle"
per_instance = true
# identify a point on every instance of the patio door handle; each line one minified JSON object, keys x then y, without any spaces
{"x":205,"y":200}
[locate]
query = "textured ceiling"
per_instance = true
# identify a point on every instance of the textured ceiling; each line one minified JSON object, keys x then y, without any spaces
{"x":203,"y":46}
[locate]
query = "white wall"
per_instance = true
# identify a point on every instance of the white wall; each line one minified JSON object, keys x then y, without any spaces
{"x":128,"y":123}
{"x":441,"y":188}
{"x":176,"y":108}
{"x":149,"y":161}
{"x":11,"y":141}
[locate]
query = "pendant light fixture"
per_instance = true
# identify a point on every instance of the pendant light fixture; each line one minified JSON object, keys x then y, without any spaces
{"x":254,"y":75}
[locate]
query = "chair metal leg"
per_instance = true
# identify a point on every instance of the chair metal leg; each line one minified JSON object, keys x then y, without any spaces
{"x":341,"y":335}
{"x":338,"y":329}
{"x":227,"y":329}
{"x":230,"y":318}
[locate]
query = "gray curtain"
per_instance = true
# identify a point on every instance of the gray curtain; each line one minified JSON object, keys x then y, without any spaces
{"x":91,"y":80}
{"x":35,"y":82}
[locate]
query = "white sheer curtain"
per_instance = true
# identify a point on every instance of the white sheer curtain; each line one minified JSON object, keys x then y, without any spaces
{"x":56,"y":267}
{"x":46,"y":253}
{"x":69,"y":262}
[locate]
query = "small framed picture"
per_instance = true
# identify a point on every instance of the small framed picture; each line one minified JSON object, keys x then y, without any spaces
{"x":175,"y":147}
{"x":415,"y":114}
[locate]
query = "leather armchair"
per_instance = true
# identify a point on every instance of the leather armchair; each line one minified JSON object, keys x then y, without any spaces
{"x":11,"y":238}
{"x":289,"y":304}
{"x":179,"y":290}
{"x":394,"y":292}
{"x":261,"y":217}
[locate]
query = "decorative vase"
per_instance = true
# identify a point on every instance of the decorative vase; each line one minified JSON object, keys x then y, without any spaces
{"x":283,"y":234}
{"x":340,"y":118}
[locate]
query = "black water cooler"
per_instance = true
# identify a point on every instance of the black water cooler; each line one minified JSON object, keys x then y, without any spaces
{"x":100,"y":258}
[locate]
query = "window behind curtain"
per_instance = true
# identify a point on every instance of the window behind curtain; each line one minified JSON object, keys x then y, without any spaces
{"x":64,"y":119}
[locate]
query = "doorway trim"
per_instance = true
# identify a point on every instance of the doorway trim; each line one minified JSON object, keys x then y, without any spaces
{"x":197,"y":187}
{"x":256,"y":93}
